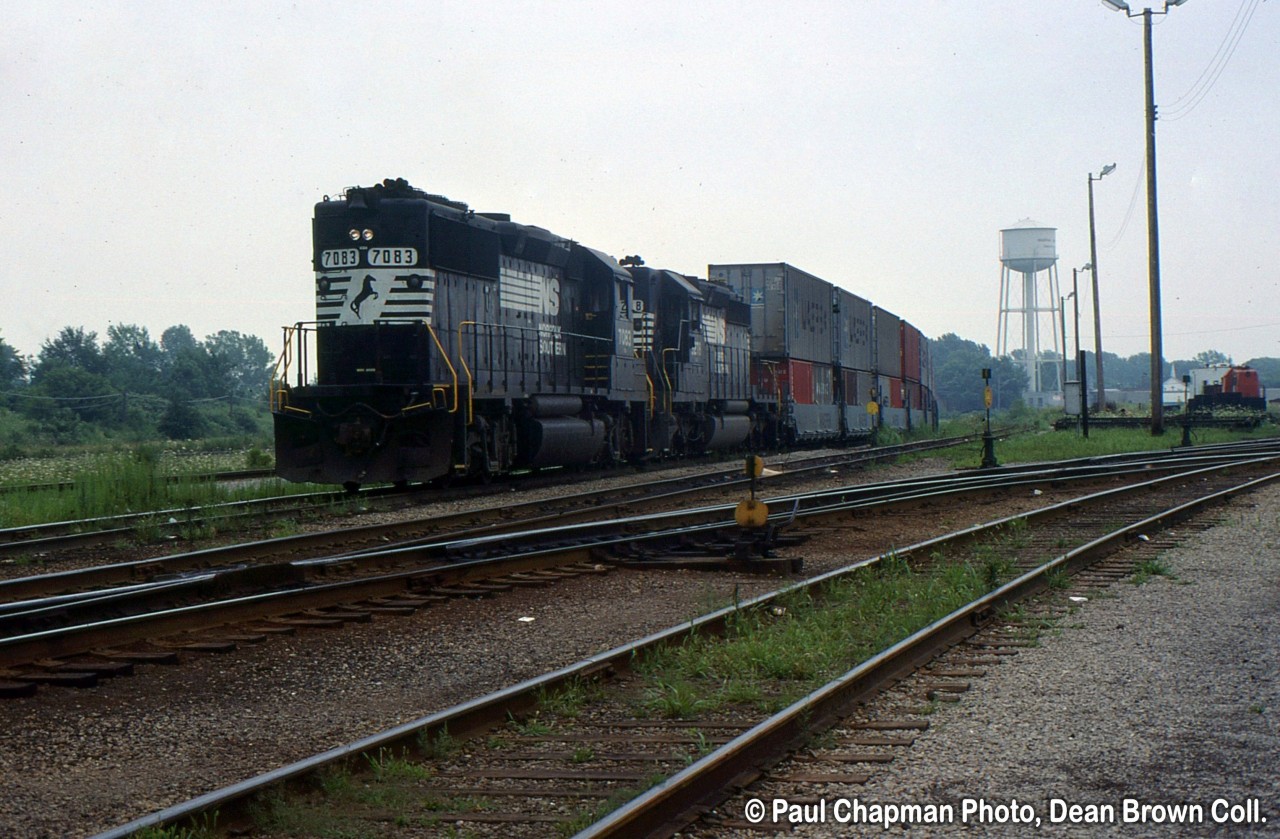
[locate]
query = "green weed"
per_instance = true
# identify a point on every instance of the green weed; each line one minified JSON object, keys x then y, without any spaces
{"x":389,"y":767}
{"x":439,"y":746}
{"x":569,"y":699}
{"x":1150,"y":568}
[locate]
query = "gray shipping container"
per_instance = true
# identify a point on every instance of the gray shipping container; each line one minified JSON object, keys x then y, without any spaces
{"x":790,"y":310}
{"x":853,"y":321}
{"x":888,"y":330}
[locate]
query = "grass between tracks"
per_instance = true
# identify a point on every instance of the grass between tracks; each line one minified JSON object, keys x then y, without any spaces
{"x":765,"y":660}
{"x":129,"y":482}
{"x":768,"y":659}
{"x":1042,"y":443}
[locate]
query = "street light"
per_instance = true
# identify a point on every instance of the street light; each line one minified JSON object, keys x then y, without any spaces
{"x":1075,"y":292}
{"x":1097,"y":306}
{"x":1062,"y":317}
{"x":1153,"y":226}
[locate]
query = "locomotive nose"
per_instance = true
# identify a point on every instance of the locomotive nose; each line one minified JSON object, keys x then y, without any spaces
{"x":356,"y":438}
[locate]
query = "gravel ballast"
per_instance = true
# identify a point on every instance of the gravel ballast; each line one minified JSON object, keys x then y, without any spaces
{"x":1160,"y":694}
{"x":76,"y":762}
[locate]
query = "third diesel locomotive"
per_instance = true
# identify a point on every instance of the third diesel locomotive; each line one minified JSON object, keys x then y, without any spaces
{"x":449,"y":342}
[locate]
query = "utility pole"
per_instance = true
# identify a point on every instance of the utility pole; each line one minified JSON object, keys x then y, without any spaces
{"x":1153,"y":225}
{"x":1153,"y":240}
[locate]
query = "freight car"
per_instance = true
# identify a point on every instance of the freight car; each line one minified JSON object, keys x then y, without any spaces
{"x":1226,"y":386}
{"x":450,"y":342}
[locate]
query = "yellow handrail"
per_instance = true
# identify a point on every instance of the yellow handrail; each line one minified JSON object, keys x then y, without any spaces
{"x":278,"y":396}
{"x":452,"y":372}
{"x":462,"y":359}
{"x":670,"y":398}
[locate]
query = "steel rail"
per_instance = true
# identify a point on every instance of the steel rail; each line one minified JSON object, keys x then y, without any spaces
{"x":673,"y":804}
{"x":631,"y":532}
{"x":719,"y":517}
{"x":63,"y":534}
{"x":116,"y":632}
{"x":653,"y":812}
{"x":507,"y":517}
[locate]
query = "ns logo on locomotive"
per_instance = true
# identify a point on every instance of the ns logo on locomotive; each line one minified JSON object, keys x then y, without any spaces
{"x":450,"y":342}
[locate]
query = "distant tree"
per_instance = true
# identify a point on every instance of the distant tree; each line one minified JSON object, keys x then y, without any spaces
{"x":177,"y":338}
{"x":957,"y":375}
{"x":1209,"y":357}
{"x":1008,"y":382}
{"x":73,"y":347}
{"x":186,"y":368}
{"x":68,"y":384}
{"x":241,"y":363}
{"x":957,"y":372}
{"x":13,"y":367}
{"x":63,"y":388}
{"x":1132,"y":373}
{"x":181,"y":421}
{"x":133,"y":361}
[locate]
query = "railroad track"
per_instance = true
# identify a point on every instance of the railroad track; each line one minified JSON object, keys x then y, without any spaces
{"x":617,"y":503}
{"x":568,"y":760}
{"x":75,"y":627}
{"x":500,"y":518}
{"x":46,"y":631}
{"x":57,"y":536}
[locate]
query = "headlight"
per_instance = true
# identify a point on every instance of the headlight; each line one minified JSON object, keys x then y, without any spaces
{"x":368,"y":235}
{"x":354,"y":234}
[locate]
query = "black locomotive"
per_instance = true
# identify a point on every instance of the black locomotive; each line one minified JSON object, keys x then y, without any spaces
{"x":449,"y":342}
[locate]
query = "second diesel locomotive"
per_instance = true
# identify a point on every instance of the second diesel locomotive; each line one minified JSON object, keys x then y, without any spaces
{"x":449,"y":342}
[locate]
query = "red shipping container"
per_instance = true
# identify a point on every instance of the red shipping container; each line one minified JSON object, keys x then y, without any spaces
{"x":894,"y":386}
{"x":802,"y":382}
{"x":911,"y":342}
{"x":852,"y":396}
{"x":770,"y":379}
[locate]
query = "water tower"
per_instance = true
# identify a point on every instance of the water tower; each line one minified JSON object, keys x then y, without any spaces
{"x":1031,"y":250}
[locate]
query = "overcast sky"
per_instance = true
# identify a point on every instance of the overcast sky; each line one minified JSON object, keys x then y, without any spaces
{"x":160,"y":161}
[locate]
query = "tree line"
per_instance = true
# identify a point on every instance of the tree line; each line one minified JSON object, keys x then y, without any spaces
{"x":957,"y":366}
{"x":77,"y":386}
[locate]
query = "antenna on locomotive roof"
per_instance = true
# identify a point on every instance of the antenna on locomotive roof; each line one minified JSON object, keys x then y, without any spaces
{"x":634,"y":261}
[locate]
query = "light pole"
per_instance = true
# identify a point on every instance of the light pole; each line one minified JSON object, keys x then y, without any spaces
{"x":1062,"y":317}
{"x":1153,"y":226}
{"x":1080,"y":374}
{"x":1097,"y":307}
{"x":1075,"y":305}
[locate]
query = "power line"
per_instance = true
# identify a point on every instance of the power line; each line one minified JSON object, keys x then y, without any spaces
{"x":1140,"y":172}
{"x":1205,"y":331}
{"x":1213,"y":70}
{"x":131,"y":396}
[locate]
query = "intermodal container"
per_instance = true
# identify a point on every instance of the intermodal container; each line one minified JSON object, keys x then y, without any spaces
{"x":791,"y":313}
